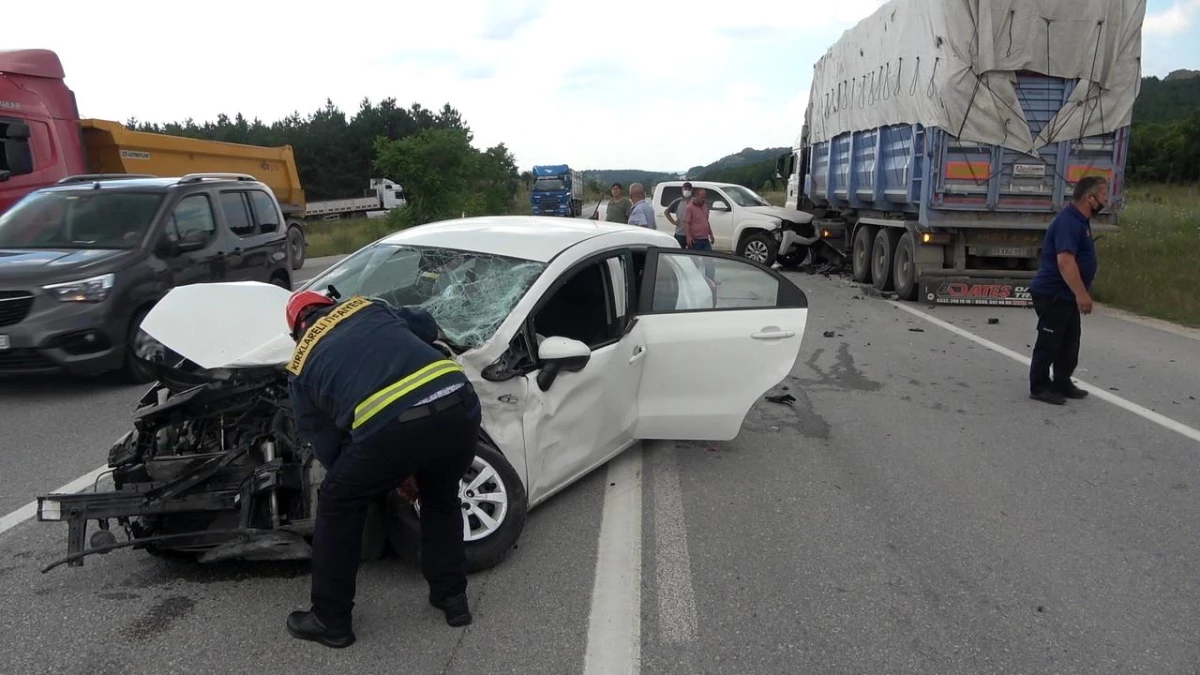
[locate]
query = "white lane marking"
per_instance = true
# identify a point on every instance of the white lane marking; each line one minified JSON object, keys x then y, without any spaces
{"x":1161,"y":420}
{"x":614,"y":625}
{"x":673,"y":567}
{"x":30,"y":510}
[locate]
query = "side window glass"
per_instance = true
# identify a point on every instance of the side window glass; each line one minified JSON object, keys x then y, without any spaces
{"x":237,"y":216}
{"x":691,"y":281}
{"x":670,"y":194}
{"x":193,"y":219}
{"x":581,"y":309}
{"x":264,"y":212}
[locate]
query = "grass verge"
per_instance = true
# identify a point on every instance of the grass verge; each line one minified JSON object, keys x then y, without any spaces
{"x":1150,"y":267}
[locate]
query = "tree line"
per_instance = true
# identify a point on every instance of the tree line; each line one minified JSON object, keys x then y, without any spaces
{"x":429,"y":153}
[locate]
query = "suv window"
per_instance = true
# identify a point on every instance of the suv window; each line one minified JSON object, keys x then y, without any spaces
{"x":237,"y":214}
{"x":192,"y":216}
{"x":265,"y":211}
{"x":670,"y":194}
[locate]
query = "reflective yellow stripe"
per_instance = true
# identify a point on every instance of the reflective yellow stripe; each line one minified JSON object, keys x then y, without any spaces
{"x":320,"y":329}
{"x":388,"y":395}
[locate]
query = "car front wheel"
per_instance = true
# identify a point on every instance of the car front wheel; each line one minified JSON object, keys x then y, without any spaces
{"x":493,"y":507}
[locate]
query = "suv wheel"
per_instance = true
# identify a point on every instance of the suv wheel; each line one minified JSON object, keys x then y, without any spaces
{"x":760,"y":248}
{"x":295,"y":247}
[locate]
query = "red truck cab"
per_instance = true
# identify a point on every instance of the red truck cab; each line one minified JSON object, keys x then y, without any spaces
{"x":40,"y":139}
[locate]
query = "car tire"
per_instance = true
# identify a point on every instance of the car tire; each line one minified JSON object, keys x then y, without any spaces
{"x":904,"y":268}
{"x":795,"y":258}
{"x":295,"y":247}
{"x":760,"y":248}
{"x":487,"y":551}
{"x":860,"y":254}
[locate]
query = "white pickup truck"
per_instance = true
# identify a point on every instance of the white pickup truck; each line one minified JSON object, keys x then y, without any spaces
{"x":744,"y":223}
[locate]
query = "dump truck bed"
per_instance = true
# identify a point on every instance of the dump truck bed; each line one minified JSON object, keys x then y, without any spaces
{"x":112,"y":148}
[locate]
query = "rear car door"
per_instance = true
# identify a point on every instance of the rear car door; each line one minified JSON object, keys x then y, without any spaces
{"x":719,"y":332}
{"x":256,"y":233}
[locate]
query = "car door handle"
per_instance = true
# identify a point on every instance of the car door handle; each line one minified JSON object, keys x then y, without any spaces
{"x":638,"y":352}
{"x":772,"y":334}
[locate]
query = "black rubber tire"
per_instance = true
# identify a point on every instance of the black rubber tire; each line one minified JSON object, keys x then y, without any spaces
{"x":860,"y":254}
{"x":772,"y":249}
{"x":904,"y":268}
{"x":883,"y":258}
{"x":405,"y":525}
{"x":296,"y":247}
{"x":280,"y":280}
{"x":133,"y":370}
{"x":795,"y":258}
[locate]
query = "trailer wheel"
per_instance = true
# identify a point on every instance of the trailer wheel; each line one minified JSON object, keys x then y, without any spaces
{"x":860,"y":254}
{"x":905,"y":267}
{"x":883,"y":258}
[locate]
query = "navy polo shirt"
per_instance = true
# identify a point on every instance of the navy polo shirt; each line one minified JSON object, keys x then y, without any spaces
{"x":1069,"y":231}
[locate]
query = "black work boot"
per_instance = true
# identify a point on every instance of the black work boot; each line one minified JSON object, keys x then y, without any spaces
{"x":306,"y":626}
{"x":457,"y":612}
{"x":1047,"y":396}
{"x":1071,"y":391}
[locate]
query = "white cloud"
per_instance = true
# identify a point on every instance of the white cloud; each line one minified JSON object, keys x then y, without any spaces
{"x":625,"y":84}
{"x":1175,"y":20}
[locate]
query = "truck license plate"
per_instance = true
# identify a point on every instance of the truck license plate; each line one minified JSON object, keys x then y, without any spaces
{"x":1029,"y":170}
{"x":4,"y":343}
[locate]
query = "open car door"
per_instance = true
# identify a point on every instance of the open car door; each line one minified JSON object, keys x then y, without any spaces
{"x":720,"y":331}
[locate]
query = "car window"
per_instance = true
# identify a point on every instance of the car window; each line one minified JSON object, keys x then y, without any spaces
{"x":670,"y":194}
{"x":264,"y":212}
{"x":192,"y":216}
{"x":237,"y":216}
{"x":582,"y":309}
{"x":688,"y":281}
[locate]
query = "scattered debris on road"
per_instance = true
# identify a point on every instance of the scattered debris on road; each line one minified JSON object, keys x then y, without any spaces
{"x":785,"y":399}
{"x":916,"y":330}
{"x":828,"y":333}
{"x":993,"y":321}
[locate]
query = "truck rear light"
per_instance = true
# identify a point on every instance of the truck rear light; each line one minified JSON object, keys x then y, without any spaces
{"x":935,"y":238}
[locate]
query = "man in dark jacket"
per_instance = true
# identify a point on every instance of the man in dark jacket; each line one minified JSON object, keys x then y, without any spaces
{"x":378,"y":402}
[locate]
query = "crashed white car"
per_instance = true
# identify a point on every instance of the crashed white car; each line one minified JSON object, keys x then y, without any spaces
{"x":581,"y":338}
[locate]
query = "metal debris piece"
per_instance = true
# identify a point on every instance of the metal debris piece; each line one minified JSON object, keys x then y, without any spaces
{"x":786,"y":399}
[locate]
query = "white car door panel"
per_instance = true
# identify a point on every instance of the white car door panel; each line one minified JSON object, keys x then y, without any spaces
{"x":705,"y":365}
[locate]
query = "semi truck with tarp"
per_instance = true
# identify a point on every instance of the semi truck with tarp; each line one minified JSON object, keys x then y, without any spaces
{"x":557,"y":191}
{"x":941,"y":137}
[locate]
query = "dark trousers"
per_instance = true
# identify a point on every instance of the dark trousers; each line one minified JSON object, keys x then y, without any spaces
{"x":1057,"y":345}
{"x":437,"y":450}
{"x":682,"y":239}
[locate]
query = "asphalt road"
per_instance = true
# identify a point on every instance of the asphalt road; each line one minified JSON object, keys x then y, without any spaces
{"x":911,"y":512}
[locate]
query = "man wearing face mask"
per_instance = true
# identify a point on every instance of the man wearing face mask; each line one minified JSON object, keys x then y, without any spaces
{"x":674,"y":213}
{"x":1061,"y":292}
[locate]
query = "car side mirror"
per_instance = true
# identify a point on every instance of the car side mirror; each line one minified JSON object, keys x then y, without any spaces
{"x":560,"y":354}
{"x":719,"y":205}
{"x":192,"y":241}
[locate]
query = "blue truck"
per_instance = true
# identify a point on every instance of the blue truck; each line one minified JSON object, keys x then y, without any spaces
{"x":938,"y":143}
{"x":557,"y":191}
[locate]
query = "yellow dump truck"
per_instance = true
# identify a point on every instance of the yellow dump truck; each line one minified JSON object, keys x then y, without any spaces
{"x":110,"y":147}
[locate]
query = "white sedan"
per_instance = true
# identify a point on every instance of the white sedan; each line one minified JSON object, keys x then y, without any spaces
{"x":581,"y":338}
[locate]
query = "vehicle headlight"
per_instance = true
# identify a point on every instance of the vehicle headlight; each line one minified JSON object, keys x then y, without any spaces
{"x":93,"y":289}
{"x":49,"y":509}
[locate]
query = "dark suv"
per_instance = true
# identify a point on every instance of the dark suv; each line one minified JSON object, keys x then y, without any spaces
{"x":83,"y":261}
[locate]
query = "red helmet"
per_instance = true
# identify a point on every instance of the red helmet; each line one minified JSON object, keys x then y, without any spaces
{"x":299,"y":304}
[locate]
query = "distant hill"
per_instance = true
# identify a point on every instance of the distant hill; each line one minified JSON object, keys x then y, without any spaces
{"x":747,"y":157}
{"x":606,"y":177}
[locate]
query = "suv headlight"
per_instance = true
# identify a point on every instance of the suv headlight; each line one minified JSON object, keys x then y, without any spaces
{"x":93,"y":289}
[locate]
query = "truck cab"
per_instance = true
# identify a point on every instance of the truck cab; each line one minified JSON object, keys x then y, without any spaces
{"x":743,"y":222}
{"x":557,"y":191}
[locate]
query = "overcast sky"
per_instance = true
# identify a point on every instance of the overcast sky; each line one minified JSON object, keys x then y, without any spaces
{"x":651,"y":84}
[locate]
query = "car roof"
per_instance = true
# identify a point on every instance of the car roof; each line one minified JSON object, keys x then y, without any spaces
{"x":138,"y":182}
{"x":537,"y":238}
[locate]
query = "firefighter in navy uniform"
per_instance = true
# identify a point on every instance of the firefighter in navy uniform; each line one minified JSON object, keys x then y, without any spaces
{"x":379,"y":403}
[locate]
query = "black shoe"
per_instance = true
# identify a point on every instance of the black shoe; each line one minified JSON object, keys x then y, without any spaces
{"x":306,"y":626}
{"x":457,"y":612}
{"x":1051,"y":397}
{"x":1072,"y":392}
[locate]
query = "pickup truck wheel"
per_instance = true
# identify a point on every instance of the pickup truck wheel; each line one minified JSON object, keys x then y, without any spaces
{"x":760,"y":248}
{"x":494,"y":506}
{"x":295,"y":247}
{"x":905,"y":267}
{"x":883,"y":258}
{"x":860,"y":254}
{"x":794,"y":258}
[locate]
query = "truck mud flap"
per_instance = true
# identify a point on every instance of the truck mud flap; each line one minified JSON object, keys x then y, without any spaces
{"x":989,"y":292}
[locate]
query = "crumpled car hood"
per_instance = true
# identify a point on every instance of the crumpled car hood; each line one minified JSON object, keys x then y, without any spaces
{"x":236,"y":324}
{"x":792,"y":215}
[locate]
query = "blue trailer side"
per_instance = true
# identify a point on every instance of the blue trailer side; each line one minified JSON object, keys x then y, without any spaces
{"x":922,"y":213}
{"x":557,"y":191}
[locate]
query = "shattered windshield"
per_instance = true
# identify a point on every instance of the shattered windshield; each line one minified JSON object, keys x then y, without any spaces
{"x":469,"y":294}
{"x":78,"y":219}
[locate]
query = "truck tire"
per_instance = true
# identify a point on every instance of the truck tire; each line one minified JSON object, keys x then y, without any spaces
{"x":905,"y":268}
{"x":488,"y":550}
{"x":860,"y":254}
{"x":883,"y":258}
{"x":296,"y":246}
{"x":760,"y":248}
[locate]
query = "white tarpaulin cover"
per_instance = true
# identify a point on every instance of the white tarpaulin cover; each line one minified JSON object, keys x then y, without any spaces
{"x":952,"y":64}
{"x":236,"y":324}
